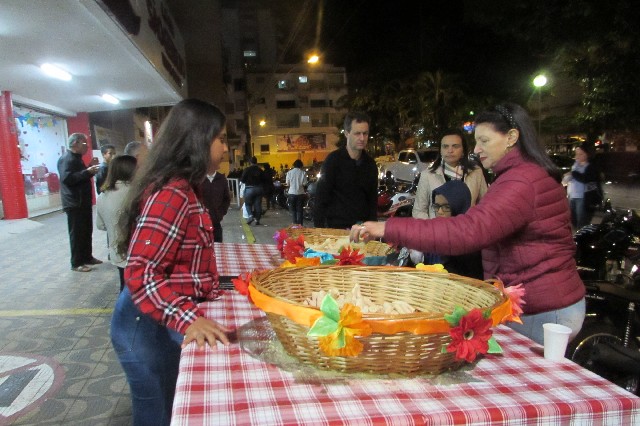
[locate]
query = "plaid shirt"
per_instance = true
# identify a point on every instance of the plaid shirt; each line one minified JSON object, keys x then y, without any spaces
{"x":171,"y":260}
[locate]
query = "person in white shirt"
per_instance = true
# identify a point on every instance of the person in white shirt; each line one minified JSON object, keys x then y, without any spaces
{"x":110,"y":203}
{"x":296,"y":179}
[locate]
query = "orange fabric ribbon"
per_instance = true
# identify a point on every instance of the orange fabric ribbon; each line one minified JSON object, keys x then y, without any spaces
{"x":307,"y":316}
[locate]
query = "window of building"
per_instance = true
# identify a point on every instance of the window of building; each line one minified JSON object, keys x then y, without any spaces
{"x":302,"y":79}
{"x":335,"y":81}
{"x":287,"y":120}
{"x":304,"y":119}
{"x":249,"y":53}
{"x":318,"y":103}
{"x":319,"y":120}
{"x":285,"y":104}
{"x":264,"y":149}
{"x":316,"y":85}
{"x":283,"y":84}
{"x":241,"y":105}
{"x":239,"y":84}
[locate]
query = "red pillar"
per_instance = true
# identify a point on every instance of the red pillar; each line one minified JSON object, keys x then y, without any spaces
{"x":80,"y":124}
{"x":14,"y":201}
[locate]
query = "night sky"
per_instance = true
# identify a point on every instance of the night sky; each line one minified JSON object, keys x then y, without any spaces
{"x":385,"y":40}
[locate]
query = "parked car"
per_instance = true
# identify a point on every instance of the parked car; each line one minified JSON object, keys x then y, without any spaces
{"x":409,"y":163}
{"x":563,"y":162}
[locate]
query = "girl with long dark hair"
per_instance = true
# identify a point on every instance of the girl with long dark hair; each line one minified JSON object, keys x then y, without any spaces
{"x":167,"y":234}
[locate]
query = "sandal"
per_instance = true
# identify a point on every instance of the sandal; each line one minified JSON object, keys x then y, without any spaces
{"x":81,"y":268}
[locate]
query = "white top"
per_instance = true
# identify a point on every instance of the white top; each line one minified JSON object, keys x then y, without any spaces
{"x":108,"y":209}
{"x":296,"y":179}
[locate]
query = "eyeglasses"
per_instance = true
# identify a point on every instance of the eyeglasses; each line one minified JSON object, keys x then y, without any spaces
{"x":445,"y":207}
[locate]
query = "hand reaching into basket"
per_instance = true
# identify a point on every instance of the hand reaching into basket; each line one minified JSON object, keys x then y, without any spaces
{"x":367,"y":231}
{"x":205,"y":330}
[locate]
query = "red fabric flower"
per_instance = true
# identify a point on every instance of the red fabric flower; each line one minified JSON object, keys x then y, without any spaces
{"x":349,"y":257}
{"x":242,"y":283}
{"x":471,"y":335}
{"x":280,"y":236}
{"x":293,"y":248}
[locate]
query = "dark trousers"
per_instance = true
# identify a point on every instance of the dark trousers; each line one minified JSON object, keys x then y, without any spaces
{"x":217,"y":232}
{"x":80,"y":224}
{"x":253,"y":201}
{"x":296,"y":208}
{"x":121,"y":274}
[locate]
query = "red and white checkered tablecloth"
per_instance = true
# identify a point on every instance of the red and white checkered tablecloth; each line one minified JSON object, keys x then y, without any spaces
{"x":234,"y":259}
{"x":226,"y":386}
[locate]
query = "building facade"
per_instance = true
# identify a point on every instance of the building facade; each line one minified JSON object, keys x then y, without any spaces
{"x":294,"y":112}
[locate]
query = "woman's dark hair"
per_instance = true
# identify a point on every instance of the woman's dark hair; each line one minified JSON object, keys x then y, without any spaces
{"x":509,"y":116}
{"x":466,"y":165}
{"x":181,"y":150}
{"x":298,"y":163}
{"x":122,"y":167}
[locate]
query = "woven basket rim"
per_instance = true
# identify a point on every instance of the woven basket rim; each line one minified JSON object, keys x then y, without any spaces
{"x":418,"y":315}
{"x":382,"y":248}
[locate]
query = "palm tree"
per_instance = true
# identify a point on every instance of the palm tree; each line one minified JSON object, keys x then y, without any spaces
{"x":437,"y":96}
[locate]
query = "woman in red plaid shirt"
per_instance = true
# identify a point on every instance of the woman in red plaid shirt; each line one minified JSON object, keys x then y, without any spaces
{"x":167,"y":234}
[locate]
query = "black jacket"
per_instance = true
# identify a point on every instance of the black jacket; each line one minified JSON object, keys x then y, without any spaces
{"x":216,"y":197}
{"x":101,"y":176}
{"x":75,"y":181}
{"x":347,"y":191}
{"x":253,"y":176}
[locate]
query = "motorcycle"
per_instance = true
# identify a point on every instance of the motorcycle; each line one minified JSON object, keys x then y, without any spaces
{"x":307,"y":210}
{"x":608,"y":257}
{"x":396,"y":199}
{"x":279,"y":196}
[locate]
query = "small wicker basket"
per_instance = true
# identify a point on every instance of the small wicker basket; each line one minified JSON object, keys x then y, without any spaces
{"x":433,"y":294}
{"x":317,"y":236}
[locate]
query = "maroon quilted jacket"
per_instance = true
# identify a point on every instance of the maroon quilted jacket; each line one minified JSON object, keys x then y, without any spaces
{"x":522,"y":226}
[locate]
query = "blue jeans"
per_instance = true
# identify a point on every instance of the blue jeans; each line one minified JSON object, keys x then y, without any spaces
{"x":581,"y":215}
{"x":572,"y":316}
{"x":296,"y":208}
{"x":253,"y":201}
{"x":149,"y":354}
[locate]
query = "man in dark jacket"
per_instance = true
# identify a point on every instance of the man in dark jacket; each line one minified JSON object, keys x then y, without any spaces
{"x":108,"y":152}
{"x":347,"y":189}
{"x":217,"y":199}
{"x":253,"y":178}
{"x":75,"y":193}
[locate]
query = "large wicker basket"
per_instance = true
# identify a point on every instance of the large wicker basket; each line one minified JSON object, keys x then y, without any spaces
{"x":433,"y":294}
{"x":317,"y":236}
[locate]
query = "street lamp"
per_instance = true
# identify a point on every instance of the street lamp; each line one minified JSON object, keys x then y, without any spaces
{"x":539,"y":81}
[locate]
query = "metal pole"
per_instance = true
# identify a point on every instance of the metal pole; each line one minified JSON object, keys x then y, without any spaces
{"x":539,"y":110}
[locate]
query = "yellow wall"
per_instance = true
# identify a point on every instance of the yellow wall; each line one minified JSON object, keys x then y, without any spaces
{"x":275,"y":157}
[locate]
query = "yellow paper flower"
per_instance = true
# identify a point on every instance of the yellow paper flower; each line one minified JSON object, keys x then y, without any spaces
{"x":350,"y":325}
{"x":301,"y":261}
{"x":438,"y":267}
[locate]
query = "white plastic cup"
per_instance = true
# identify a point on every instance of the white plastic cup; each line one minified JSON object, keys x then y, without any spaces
{"x":556,"y":338}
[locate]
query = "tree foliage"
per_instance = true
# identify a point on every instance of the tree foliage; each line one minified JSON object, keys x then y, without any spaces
{"x":419,"y":106}
{"x":595,"y":43}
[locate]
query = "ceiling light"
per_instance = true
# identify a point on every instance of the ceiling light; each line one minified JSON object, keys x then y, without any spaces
{"x":111,"y":99}
{"x":55,"y":72}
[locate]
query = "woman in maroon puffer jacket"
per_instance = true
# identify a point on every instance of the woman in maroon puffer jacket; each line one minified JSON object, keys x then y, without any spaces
{"x":522,"y":225}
